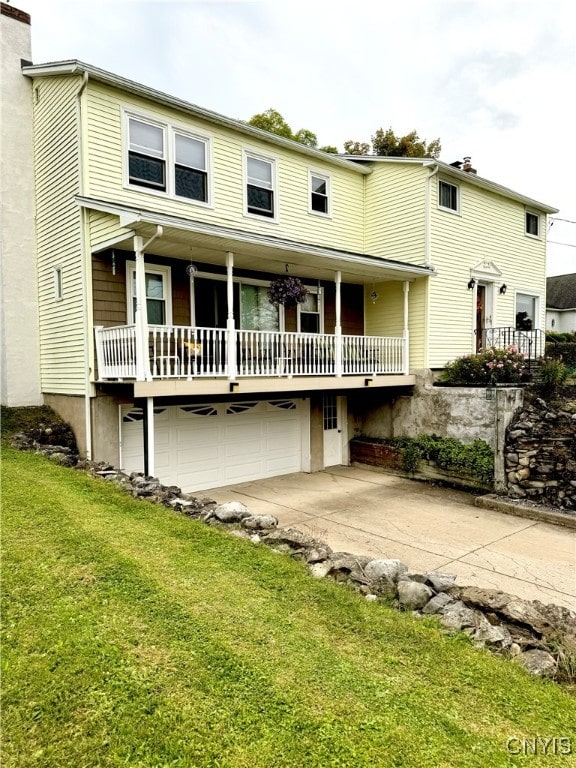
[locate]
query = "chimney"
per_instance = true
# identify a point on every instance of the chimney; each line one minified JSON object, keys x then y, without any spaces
{"x":467,"y":165}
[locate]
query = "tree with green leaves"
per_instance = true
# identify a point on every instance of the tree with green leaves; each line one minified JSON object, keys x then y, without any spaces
{"x":387,"y":144}
{"x":272,"y":121}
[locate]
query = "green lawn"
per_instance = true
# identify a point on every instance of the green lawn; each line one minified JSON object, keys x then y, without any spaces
{"x":133,"y":636}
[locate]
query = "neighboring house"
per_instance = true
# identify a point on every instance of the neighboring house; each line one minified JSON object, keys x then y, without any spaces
{"x":158,"y":228}
{"x":561,"y":303}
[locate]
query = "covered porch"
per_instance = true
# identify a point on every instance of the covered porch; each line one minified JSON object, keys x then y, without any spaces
{"x":233,"y":333}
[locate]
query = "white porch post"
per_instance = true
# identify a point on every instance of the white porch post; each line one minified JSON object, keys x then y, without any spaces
{"x":406,"y":361}
{"x":338,"y":328}
{"x":150,"y":443}
{"x":230,"y":324}
{"x":141,"y":315}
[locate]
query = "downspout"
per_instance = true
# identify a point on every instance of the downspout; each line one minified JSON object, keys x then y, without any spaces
{"x":86,"y":276}
{"x":427,"y":217}
{"x":428,"y":256}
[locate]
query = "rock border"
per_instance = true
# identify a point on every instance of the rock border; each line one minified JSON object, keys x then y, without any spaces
{"x":538,"y":637}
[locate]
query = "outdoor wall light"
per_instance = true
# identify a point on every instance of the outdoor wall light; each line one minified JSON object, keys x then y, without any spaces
{"x":503,"y":289}
{"x":471,"y":283}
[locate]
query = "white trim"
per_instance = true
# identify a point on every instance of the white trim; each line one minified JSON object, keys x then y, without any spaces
{"x":170,"y":131}
{"x":248,"y":152}
{"x":312,"y":172}
{"x":441,"y":207}
{"x":530,"y":212}
{"x":319,"y":293}
{"x":537,"y":295}
{"x":155,"y":269}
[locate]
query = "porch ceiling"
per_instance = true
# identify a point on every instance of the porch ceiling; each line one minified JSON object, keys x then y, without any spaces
{"x":204,"y":243}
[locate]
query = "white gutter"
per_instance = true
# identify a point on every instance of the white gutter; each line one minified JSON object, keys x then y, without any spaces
{"x":131,"y":218}
{"x":75,"y":67}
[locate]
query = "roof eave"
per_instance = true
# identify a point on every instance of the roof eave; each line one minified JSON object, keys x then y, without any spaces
{"x":75,"y":67}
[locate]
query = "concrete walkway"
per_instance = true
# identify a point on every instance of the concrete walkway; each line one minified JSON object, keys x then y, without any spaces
{"x":367,"y":512}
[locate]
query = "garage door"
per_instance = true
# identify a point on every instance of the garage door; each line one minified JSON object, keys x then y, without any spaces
{"x":214,"y":444}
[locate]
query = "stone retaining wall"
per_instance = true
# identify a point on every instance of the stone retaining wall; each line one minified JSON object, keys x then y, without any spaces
{"x":541,"y":455}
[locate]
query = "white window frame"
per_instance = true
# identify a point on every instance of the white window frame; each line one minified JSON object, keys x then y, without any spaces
{"x":538,"y":217}
{"x":128,"y":149}
{"x":153,"y":269}
{"x":537,"y":305}
{"x":58,"y":285}
{"x":316,"y":174}
{"x":320,"y":294}
{"x":457,"y":188}
{"x":171,"y":130}
{"x":249,"y":153}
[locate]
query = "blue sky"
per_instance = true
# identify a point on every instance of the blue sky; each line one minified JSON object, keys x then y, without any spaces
{"x":494,"y":79}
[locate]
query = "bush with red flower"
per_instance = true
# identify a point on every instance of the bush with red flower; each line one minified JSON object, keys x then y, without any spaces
{"x":491,"y":366}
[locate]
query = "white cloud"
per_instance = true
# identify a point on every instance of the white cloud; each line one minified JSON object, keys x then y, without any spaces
{"x":492,"y":78}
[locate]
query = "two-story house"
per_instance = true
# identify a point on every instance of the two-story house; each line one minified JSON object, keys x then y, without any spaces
{"x":158,"y":229}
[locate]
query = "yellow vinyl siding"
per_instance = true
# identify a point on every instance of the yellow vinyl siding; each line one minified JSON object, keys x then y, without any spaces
{"x":385,"y":316}
{"x":103,"y":228}
{"x":58,"y":222}
{"x":491,"y":228}
{"x":395,"y":211}
{"x":106,"y":161}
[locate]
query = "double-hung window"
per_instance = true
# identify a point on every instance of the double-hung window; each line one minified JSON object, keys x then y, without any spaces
{"x":260,"y":183}
{"x":448,"y":196}
{"x":147,"y":154}
{"x":319,"y":194}
{"x":532,"y":224}
{"x":168,"y":160}
{"x":190,"y":170}
{"x":158,"y":294}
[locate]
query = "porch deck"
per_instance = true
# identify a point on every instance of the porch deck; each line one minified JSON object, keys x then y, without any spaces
{"x":182,"y":352}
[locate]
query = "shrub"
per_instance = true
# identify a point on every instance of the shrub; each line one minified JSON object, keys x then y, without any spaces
{"x":562,"y":350}
{"x":476,"y":459}
{"x":553,"y":373}
{"x":492,"y":366}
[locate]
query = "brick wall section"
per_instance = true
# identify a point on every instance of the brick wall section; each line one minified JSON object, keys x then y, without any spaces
{"x":14,"y":13}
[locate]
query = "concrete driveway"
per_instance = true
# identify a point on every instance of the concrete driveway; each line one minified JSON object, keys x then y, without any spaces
{"x":367,"y":512}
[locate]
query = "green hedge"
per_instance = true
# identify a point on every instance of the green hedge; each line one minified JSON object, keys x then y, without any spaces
{"x":476,"y":459}
{"x":564,"y":350}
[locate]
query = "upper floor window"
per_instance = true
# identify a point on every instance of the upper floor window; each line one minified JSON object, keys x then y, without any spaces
{"x":532,"y":224}
{"x":448,"y":196}
{"x":191,"y":173}
{"x":167,"y":160}
{"x":260,"y":186}
{"x":319,"y":194}
{"x":146,"y":156}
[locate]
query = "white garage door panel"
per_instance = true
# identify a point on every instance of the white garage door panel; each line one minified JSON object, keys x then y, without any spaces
{"x":200,"y":447}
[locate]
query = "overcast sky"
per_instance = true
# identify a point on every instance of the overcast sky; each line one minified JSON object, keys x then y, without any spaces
{"x":493,"y":79}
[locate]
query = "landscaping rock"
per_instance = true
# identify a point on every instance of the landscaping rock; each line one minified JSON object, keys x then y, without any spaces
{"x":259,"y":522}
{"x":438,"y":603}
{"x":231,"y":512}
{"x":496,"y":638}
{"x":412,"y":595}
{"x":440,"y":582}
{"x":537,"y":662}
{"x":391,"y":568}
{"x":457,"y":616}
{"x":383,"y":586}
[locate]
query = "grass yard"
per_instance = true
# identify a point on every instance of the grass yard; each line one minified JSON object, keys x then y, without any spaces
{"x":133,"y":636}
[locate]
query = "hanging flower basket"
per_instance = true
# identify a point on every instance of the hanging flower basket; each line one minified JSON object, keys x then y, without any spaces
{"x":287,"y":291}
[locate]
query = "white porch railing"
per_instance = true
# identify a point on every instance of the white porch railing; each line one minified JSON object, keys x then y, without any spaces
{"x":178,"y":352}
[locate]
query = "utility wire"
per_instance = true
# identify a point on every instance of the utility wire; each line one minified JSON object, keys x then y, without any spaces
{"x":568,"y":245}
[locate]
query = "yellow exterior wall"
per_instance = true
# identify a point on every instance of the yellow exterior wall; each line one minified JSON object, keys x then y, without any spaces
{"x":105,"y":181}
{"x":488,"y":227}
{"x":395,"y":211}
{"x":385,"y":316}
{"x":58,"y":222}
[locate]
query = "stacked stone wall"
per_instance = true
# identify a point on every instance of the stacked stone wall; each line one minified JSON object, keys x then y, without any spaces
{"x":541,"y":455}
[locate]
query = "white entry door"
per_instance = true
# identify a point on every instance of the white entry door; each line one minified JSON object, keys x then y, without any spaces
{"x":332,"y":419}
{"x":209,"y":445}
